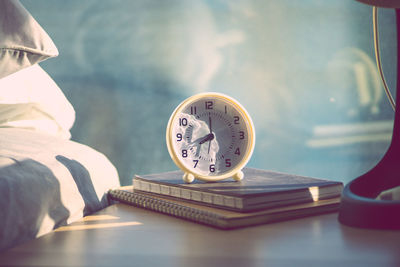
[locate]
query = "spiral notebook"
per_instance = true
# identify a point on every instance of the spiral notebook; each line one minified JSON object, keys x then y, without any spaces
{"x":216,"y":217}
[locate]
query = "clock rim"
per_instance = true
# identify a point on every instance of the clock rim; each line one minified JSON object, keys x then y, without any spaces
{"x":249,"y":125}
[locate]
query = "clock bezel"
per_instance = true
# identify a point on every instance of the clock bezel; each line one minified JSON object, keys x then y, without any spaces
{"x":249,"y":126}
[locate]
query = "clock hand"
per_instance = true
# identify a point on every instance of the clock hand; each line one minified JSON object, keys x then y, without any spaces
{"x":209,"y":126}
{"x":206,"y":138}
{"x":209,"y":123}
{"x":202,"y":140}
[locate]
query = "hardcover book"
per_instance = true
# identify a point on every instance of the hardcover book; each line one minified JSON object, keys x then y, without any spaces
{"x":220,"y":218}
{"x":260,"y":189}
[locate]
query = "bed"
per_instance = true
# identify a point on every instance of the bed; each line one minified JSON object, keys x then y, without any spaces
{"x":46,"y":179}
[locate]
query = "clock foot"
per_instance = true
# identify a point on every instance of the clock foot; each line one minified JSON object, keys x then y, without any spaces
{"x":238,"y":176}
{"x":188,"y":178}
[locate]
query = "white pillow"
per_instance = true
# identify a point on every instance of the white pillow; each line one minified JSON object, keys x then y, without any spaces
{"x":22,"y":41}
{"x":30,"y":99}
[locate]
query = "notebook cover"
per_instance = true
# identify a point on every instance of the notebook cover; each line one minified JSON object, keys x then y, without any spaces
{"x":259,"y":189}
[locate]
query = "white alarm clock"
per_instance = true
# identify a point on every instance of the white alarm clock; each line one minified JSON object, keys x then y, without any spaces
{"x":210,"y":136}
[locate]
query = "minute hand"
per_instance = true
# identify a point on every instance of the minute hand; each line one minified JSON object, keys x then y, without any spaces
{"x":209,"y":126}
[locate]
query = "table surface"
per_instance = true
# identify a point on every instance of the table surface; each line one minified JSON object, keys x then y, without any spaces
{"x":122,"y":235}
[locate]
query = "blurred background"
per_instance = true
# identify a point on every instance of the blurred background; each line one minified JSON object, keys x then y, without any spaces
{"x":305,"y":71}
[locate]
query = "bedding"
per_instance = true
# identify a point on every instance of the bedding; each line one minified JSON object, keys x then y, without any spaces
{"x":31,"y":99}
{"x":23,"y":42}
{"x":46,"y":182}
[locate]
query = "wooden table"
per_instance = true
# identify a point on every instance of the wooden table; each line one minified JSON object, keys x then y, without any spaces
{"x":121,"y":235}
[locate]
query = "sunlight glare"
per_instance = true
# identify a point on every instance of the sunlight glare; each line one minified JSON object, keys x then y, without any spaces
{"x":314,"y":192}
{"x":95,"y":226}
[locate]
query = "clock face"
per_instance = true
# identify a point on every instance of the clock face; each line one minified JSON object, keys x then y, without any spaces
{"x":211,"y":136}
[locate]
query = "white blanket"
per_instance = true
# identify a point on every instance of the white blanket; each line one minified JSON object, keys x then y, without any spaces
{"x":47,"y":181}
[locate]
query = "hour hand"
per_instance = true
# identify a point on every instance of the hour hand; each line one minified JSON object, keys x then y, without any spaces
{"x":206,"y":138}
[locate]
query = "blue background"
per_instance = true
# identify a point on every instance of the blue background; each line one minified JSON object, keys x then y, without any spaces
{"x":305,"y":71}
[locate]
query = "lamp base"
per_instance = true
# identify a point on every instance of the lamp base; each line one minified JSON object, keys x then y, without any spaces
{"x":359,"y":206}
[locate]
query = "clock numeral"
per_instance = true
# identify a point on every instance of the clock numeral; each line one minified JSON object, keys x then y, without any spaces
{"x":226,"y":110}
{"x":179,"y":137}
{"x":184,"y":153}
{"x":236,"y":119}
{"x":228,"y":163}
{"x":195,"y":162}
{"x":209,"y":104}
{"x":237,"y":151}
{"x":212,"y":168}
{"x":183,"y":122}
{"x":241,"y":135}
{"x":193,"y":110}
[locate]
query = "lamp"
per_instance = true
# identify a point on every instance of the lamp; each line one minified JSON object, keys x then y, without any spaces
{"x":359,"y":206}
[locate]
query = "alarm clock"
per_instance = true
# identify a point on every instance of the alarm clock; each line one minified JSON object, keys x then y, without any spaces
{"x":210,"y":136}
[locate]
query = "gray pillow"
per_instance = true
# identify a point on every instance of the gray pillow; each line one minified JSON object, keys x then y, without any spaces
{"x":23,"y":42}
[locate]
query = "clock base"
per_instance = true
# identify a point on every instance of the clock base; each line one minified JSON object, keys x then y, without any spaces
{"x":188,"y":177}
{"x":238,"y":176}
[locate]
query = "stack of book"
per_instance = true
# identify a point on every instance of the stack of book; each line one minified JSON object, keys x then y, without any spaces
{"x":261,"y":197}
